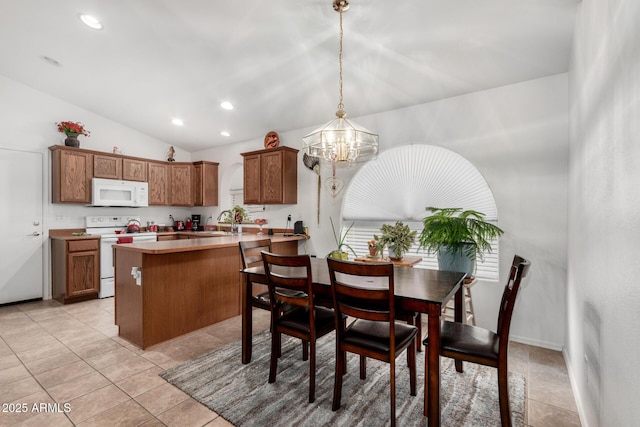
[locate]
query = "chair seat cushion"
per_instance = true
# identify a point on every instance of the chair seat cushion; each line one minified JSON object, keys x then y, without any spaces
{"x":468,"y":340}
{"x":298,"y":319}
{"x":375,"y":335}
{"x":261,"y":300}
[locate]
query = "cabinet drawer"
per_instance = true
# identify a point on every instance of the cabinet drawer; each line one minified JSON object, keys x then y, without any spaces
{"x":83,"y":245}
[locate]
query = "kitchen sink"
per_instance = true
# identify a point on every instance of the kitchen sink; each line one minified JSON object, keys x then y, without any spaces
{"x":213,"y":233}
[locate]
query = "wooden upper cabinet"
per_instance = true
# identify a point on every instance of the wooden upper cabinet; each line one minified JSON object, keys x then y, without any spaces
{"x":271,"y":176}
{"x":181,"y":184}
{"x":170,"y":183}
{"x":251,"y":183}
{"x":134,"y":170}
{"x":205,"y":184}
{"x":105,"y":166}
{"x":71,"y":173}
{"x":158,"y":174}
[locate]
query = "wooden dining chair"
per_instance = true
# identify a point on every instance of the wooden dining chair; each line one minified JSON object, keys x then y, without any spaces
{"x":366,"y":292}
{"x":251,"y":255}
{"x":474,"y":344}
{"x":286,"y":273}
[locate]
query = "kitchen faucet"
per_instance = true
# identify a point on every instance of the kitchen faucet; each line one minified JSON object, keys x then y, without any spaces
{"x":233,"y":222}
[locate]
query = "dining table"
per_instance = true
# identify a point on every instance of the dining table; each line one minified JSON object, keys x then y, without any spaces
{"x":416,"y":289}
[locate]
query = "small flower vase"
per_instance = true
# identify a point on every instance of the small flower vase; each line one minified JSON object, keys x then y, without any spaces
{"x":373,"y":251}
{"x":72,"y":140}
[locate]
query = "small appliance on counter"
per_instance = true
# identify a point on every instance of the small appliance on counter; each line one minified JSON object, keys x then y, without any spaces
{"x":195,"y":222}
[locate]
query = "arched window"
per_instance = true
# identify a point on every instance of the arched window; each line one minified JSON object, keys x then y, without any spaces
{"x":402,"y":182}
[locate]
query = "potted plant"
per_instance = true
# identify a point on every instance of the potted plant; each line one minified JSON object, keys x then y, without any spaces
{"x":399,"y":238}
{"x":374,"y":248}
{"x":239,"y":215}
{"x":339,"y":253}
{"x":72,"y":130}
{"x":458,"y":237}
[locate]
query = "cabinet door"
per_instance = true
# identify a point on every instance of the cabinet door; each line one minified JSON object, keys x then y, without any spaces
{"x":181,"y":185}
{"x":205,"y":184}
{"x":158,"y":184}
{"x":109,"y":167}
{"x":83,"y":273}
{"x":71,"y":176}
{"x":252,"y":178}
{"x":134,"y":170}
{"x":272,"y":183}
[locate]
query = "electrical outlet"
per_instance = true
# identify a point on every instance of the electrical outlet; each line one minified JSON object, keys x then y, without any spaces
{"x":289,"y":217}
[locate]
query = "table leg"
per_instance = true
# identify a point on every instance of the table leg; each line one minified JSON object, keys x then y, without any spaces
{"x":432,"y":368}
{"x":460,"y":311}
{"x":247,"y":319}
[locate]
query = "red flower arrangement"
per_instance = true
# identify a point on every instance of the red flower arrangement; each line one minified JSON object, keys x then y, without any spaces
{"x":72,"y":128}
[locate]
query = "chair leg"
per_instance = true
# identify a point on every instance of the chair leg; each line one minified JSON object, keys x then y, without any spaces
{"x":419,"y":336}
{"x":412,"y":368}
{"x":427,"y":374}
{"x":458,"y":364}
{"x":503,"y":392}
{"x":305,"y":350}
{"x":275,"y":350}
{"x":337,"y":380}
{"x":363,"y":367}
{"x":392,"y":383}
{"x":312,"y":372}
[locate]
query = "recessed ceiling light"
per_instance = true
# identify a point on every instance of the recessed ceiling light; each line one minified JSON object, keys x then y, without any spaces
{"x":52,"y":61}
{"x":227,"y":105}
{"x":225,"y":133}
{"x":90,"y":21}
{"x":177,"y":122}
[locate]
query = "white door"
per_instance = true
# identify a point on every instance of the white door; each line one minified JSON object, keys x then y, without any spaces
{"x":21,"y":210}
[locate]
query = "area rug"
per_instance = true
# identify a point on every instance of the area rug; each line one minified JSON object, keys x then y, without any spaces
{"x":242,"y":395}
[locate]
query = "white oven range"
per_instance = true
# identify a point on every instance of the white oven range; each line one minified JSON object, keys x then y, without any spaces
{"x":112,"y":231}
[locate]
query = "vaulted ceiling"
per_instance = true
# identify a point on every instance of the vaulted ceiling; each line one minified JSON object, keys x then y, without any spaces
{"x":275,"y":60}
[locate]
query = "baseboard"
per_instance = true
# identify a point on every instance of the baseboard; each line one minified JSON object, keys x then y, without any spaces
{"x":576,"y":390}
{"x":537,"y":343}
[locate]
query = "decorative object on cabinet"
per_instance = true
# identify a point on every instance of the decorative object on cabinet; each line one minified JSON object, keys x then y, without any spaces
{"x":458,"y":237}
{"x":399,"y":238}
{"x":271,"y":140}
{"x":72,"y":130}
{"x":341,"y":140}
{"x":171,"y":154}
{"x":271,"y":176}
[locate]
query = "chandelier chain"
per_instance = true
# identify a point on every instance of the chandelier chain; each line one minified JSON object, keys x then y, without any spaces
{"x":340,"y":105}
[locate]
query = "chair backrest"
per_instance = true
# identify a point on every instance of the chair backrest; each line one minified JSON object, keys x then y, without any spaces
{"x":250,"y":252}
{"x":363,"y":290}
{"x":288,"y":272}
{"x":519,"y":269}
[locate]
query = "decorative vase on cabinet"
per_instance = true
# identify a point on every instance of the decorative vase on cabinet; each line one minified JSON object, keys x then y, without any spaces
{"x":72,"y":140}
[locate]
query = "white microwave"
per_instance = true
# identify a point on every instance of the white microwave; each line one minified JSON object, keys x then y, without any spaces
{"x":114,"y":192}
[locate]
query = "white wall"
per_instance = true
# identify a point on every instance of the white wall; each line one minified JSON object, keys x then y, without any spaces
{"x":28,"y":119}
{"x":603,"y":295}
{"x":517,"y":137}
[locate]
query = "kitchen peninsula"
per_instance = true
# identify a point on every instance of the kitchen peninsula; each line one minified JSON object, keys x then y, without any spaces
{"x":169,"y":288}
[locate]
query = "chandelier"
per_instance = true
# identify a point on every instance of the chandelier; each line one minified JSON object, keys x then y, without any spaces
{"x":341,"y":140}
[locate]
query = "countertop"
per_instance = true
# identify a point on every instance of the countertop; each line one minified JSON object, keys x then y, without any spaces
{"x":71,"y":237}
{"x":207,"y":242}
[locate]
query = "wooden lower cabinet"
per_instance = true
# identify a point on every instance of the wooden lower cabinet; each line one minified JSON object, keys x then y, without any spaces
{"x":75,"y":269}
{"x":180,"y":291}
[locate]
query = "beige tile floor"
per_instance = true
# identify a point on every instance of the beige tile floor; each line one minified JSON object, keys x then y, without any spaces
{"x":71,"y":355}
